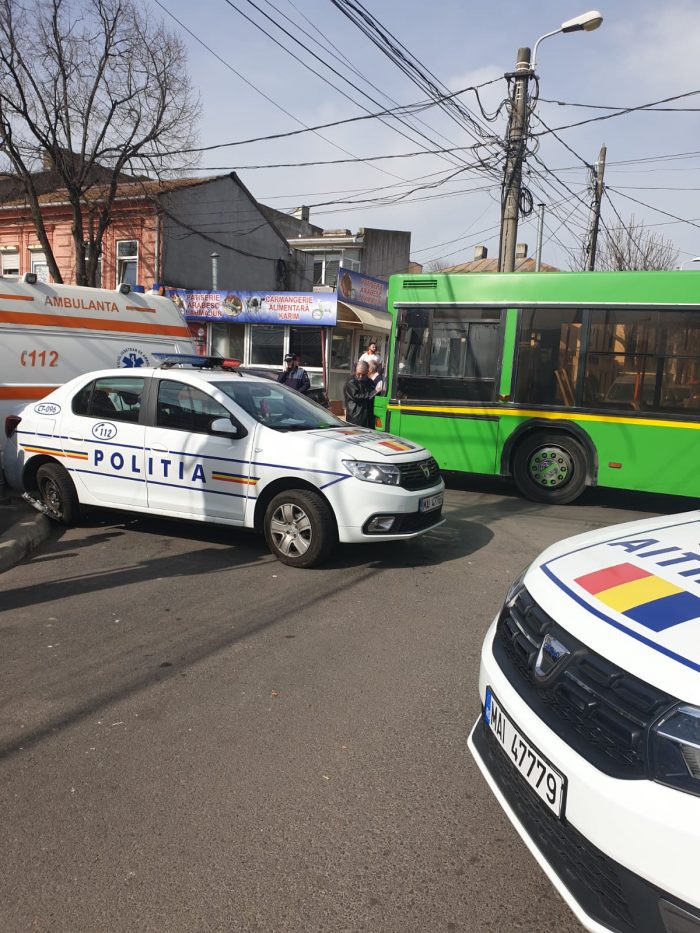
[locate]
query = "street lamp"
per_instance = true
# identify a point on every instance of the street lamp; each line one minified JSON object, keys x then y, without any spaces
{"x":517,"y":133}
{"x":686,"y":261}
{"x":586,"y":22}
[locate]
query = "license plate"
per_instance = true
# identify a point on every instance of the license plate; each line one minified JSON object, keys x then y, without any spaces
{"x":546,"y":781}
{"x":428,"y":503}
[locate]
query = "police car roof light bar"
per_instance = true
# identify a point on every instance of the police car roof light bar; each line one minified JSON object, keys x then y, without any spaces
{"x":169,"y":360}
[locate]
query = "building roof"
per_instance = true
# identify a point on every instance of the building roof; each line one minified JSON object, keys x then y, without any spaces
{"x":491,"y":265}
{"x":131,"y":189}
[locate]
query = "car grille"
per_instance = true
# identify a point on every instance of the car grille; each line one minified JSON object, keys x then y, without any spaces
{"x":419,"y":475}
{"x":596,"y":881}
{"x":597,"y":708}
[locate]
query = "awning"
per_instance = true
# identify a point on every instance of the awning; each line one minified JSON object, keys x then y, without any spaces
{"x":363,"y":317}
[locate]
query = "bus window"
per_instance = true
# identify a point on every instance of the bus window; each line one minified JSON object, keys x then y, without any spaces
{"x":548,"y":356}
{"x":448,"y":354}
{"x":621,"y":363}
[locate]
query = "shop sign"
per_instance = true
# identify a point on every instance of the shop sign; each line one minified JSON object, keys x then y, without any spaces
{"x":362,"y":290}
{"x":257,"y":307}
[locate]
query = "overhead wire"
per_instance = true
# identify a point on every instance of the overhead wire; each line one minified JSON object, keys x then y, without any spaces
{"x":618,"y":113}
{"x":326,"y":65}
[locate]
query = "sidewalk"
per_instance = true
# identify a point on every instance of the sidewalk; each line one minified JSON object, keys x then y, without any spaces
{"x":21,"y":528}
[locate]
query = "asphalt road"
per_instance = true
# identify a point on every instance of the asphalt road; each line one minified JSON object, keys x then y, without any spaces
{"x":195,"y":738}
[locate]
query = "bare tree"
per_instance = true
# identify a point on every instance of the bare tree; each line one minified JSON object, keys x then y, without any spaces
{"x":91,"y":89}
{"x":629,"y":246}
{"x":437,"y":265}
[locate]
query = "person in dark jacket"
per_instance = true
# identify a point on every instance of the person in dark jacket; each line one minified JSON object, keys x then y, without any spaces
{"x":359,"y":395}
{"x":294,"y":376}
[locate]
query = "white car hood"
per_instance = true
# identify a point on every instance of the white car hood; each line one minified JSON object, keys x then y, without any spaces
{"x":631,"y":593}
{"x":365,"y":440}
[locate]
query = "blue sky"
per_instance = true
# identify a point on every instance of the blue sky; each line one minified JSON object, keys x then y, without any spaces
{"x":643,"y":52}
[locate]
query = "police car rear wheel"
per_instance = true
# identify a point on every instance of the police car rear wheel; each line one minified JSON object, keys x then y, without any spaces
{"x":57,"y":492}
{"x":299,"y":528}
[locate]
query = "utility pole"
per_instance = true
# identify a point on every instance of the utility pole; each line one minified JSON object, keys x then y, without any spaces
{"x":516,"y":142}
{"x":540,"y":230}
{"x":597,"y":198}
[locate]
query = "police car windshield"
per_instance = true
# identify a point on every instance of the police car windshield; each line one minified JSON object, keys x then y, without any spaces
{"x":277,"y":407}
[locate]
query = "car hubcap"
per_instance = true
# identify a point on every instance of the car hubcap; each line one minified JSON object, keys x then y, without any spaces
{"x":550,"y":467}
{"x":291,"y":530}
{"x":52,"y":497}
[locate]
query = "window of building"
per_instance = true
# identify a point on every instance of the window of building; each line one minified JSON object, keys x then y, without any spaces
{"x":127,"y":262}
{"x":341,"y":349}
{"x":548,"y":356}
{"x":10,"y":262}
{"x":266,"y":345}
{"x":39,"y":266}
{"x":305,"y":342}
{"x":228,"y":340}
{"x":326,"y":267}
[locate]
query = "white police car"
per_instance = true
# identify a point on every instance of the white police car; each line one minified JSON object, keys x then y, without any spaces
{"x":590,"y":732}
{"x":213,"y":445}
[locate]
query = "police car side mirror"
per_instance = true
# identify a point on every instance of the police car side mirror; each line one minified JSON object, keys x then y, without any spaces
{"x":226,"y":427}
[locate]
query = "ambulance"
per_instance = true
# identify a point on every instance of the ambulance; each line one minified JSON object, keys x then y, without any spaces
{"x":589,"y":734}
{"x":51,"y":333}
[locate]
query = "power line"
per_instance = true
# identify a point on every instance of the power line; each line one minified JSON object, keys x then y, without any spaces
{"x":376,"y":158}
{"x":657,"y":209}
{"x":328,"y":46}
{"x":324,"y":64}
{"x":562,"y":103}
{"x":617,"y":113}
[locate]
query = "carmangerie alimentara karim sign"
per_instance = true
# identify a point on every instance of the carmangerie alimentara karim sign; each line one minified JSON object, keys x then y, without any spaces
{"x":257,"y":307}
{"x":313,"y":308}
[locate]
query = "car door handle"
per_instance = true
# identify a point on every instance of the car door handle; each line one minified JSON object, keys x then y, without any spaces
{"x":161,"y":450}
{"x":76,"y":437}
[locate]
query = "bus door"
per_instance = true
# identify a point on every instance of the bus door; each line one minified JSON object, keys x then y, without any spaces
{"x":445,"y":384}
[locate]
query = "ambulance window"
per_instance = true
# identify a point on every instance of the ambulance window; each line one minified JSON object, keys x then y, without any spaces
{"x":182,"y":407}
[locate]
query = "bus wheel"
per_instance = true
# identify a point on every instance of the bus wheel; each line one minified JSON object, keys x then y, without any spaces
{"x":550,"y":468}
{"x":57,"y":492}
{"x":299,"y":528}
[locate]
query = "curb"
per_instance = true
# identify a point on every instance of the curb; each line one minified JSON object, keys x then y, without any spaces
{"x":25,"y":535}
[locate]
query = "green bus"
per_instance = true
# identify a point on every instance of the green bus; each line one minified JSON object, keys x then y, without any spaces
{"x":559,"y":380}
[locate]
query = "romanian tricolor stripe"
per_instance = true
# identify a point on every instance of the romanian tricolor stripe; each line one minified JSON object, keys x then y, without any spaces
{"x":650,"y":600}
{"x":235,"y":478}
{"x":55,"y":452}
{"x":394,"y":445}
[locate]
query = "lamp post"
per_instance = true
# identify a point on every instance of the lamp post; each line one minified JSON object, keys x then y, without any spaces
{"x":517,"y":134}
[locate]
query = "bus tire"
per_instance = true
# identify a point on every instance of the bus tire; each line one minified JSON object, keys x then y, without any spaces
{"x":57,"y":492}
{"x":550,"y":467}
{"x":299,"y":527}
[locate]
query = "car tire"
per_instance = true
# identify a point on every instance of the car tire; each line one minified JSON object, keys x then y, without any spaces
{"x":57,"y":492}
{"x":550,"y":468}
{"x":300,"y":528}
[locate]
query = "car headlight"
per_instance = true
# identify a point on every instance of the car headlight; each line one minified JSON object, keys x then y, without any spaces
{"x":385,"y":473}
{"x":676,"y":749}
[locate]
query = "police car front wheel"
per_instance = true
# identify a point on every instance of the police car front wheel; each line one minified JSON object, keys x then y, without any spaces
{"x":57,"y":492}
{"x":299,"y":527}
